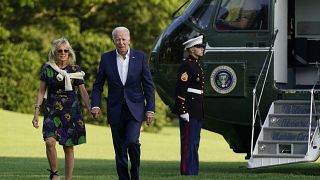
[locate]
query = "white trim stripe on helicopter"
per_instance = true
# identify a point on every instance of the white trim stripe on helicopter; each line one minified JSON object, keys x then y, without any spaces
{"x":237,"y":49}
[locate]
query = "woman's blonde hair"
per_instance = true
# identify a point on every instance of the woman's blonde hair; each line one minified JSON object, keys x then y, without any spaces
{"x":52,"y":55}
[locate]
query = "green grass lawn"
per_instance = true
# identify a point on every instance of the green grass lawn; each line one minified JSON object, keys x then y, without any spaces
{"x":22,"y":156}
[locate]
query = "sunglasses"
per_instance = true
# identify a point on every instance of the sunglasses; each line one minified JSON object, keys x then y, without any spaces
{"x":200,"y":46}
{"x":63,"y":50}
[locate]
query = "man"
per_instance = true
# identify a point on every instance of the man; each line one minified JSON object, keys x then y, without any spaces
{"x":240,"y":18}
{"x":247,"y":15}
{"x":189,"y":105}
{"x":129,"y":84}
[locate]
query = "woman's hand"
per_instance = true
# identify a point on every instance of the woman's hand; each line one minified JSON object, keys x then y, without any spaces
{"x":40,"y":95}
{"x":35,"y":121}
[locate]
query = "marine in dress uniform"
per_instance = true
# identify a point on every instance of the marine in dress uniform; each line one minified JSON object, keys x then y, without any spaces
{"x":189,"y":105}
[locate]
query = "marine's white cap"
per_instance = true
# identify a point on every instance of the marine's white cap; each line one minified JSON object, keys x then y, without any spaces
{"x":194,"y":41}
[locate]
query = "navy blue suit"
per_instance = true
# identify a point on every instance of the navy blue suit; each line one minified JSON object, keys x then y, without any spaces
{"x":126,"y":106}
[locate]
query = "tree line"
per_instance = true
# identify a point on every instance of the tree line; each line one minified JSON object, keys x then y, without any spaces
{"x":27,"y":28}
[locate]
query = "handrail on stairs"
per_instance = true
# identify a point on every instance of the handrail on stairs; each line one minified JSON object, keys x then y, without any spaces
{"x":313,"y":105}
{"x":310,"y":117}
{"x":256,"y":102}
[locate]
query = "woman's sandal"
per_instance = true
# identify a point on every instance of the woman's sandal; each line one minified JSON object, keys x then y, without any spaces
{"x":53,"y":173}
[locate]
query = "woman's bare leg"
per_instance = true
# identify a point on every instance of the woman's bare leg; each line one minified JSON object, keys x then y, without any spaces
{"x":69,"y":161}
{"x":52,"y":155}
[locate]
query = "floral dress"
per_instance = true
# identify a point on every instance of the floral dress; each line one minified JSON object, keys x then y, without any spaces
{"x":62,"y":116}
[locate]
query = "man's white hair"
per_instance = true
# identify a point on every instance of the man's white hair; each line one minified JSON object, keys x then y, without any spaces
{"x":117,"y":29}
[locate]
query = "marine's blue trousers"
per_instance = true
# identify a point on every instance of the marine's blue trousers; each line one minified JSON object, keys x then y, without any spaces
{"x":189,"y":139}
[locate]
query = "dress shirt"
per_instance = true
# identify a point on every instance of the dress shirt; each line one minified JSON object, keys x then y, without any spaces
{"x":123,"y":65}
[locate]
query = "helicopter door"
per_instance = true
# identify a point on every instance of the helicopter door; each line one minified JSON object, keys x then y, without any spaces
{"x":306,"y":46}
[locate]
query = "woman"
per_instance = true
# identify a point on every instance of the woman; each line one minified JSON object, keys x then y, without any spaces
{"x":59,"y":82}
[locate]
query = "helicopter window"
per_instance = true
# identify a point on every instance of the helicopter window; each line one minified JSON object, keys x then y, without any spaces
{"x":202,"y":16}
{"x":308,"y":28}
{"x":242,"y":15}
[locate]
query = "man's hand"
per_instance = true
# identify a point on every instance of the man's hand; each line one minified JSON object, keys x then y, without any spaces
{"x":185,"y":117}
{"x":149,"y":117}
{"x":95,"y":112}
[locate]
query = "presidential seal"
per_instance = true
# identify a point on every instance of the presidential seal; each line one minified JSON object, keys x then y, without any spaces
{"x":223,"y":79}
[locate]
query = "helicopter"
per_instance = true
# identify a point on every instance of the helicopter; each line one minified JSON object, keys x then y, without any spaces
{"x":261,"y":74}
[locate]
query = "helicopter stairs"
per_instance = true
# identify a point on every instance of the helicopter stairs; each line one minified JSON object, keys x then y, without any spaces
{"x":290,"y":134}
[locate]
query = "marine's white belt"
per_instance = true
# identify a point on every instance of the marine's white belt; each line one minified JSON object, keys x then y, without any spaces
{"x":196,"y":91}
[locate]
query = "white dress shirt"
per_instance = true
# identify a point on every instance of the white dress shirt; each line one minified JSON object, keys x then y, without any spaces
{"x":123,"y":65}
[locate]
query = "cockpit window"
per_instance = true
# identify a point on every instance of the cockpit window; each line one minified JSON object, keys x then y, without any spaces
{"x":243,"y":15}
{"x":203,"y":14}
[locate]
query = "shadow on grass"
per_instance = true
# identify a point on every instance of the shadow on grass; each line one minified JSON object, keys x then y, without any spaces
{"x":35,"y":168}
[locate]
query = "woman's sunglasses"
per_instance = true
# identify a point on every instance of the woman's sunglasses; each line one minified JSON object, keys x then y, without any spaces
{"x":63,"y":50}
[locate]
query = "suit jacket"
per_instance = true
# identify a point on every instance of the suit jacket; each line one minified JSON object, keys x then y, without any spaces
{"x":137,"y":90}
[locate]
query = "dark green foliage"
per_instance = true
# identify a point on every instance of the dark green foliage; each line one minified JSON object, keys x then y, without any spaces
{"x":18,"y":77}
{"x":27,"y":28}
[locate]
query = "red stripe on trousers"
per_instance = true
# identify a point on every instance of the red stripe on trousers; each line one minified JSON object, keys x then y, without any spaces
{"x":185,"y":149}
